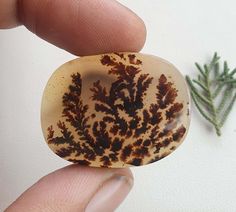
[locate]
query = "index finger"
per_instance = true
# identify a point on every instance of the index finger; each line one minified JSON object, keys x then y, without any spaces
{"x":84,"y":27}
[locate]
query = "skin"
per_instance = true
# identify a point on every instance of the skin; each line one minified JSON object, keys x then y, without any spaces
{"x":81,"y":27}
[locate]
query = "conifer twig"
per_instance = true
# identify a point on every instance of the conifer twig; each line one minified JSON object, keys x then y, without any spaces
{"x":214,"y":94}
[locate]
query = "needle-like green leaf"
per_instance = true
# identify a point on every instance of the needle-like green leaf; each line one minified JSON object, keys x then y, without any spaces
{"x":216,"y":92}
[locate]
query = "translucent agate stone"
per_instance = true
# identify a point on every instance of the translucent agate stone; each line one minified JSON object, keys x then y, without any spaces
{"x":115,"y":110}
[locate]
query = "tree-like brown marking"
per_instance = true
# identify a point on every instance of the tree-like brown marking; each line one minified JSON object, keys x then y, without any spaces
{"x":174,"y":110}
{"x":106,"y":161}
{"x":113,"y":157}
{"x":104,"y":140}
{"x":179,"y":133}
{"x":126,"y":152}
{"x":133,"y":60}
{"x":81,"y":162}
{"x":167,"y":93}
{"x":136,"y":162}
{"x":166,"y":142}
{"x":138,"y":142}
{"x":117,"y":145}
{"x":141,"y":152}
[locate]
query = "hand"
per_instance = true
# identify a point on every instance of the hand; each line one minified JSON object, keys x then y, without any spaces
{"x":81,"y":27}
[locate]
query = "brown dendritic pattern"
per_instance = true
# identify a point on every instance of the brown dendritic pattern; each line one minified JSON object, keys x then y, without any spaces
{"x":150,"y":129}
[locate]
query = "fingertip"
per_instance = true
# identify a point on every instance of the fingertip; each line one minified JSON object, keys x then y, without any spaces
{"x":84,"y":27}
{"x":72,"y":189}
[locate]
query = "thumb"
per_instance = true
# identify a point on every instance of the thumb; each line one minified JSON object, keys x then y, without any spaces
{"x":76,"y":188}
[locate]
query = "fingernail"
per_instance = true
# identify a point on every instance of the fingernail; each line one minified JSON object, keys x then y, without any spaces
{"x":110,"y":194}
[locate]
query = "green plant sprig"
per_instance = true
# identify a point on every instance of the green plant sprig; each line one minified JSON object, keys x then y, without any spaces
{"x":214,"y":92}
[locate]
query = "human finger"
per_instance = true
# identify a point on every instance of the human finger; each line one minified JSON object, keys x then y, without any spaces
{"x":80,"y":27}
{"x":76,"y":188}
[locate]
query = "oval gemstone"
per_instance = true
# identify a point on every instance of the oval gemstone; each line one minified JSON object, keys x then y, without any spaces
{"x":115,"y":110}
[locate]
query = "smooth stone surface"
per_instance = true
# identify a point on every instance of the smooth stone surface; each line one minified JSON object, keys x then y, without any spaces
{"x":115,"y":110}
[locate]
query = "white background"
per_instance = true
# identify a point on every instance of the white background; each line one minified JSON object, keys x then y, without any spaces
{"x":199,"y":176}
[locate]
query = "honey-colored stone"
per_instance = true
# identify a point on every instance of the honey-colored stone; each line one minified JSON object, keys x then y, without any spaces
{"x":115,"y":110}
